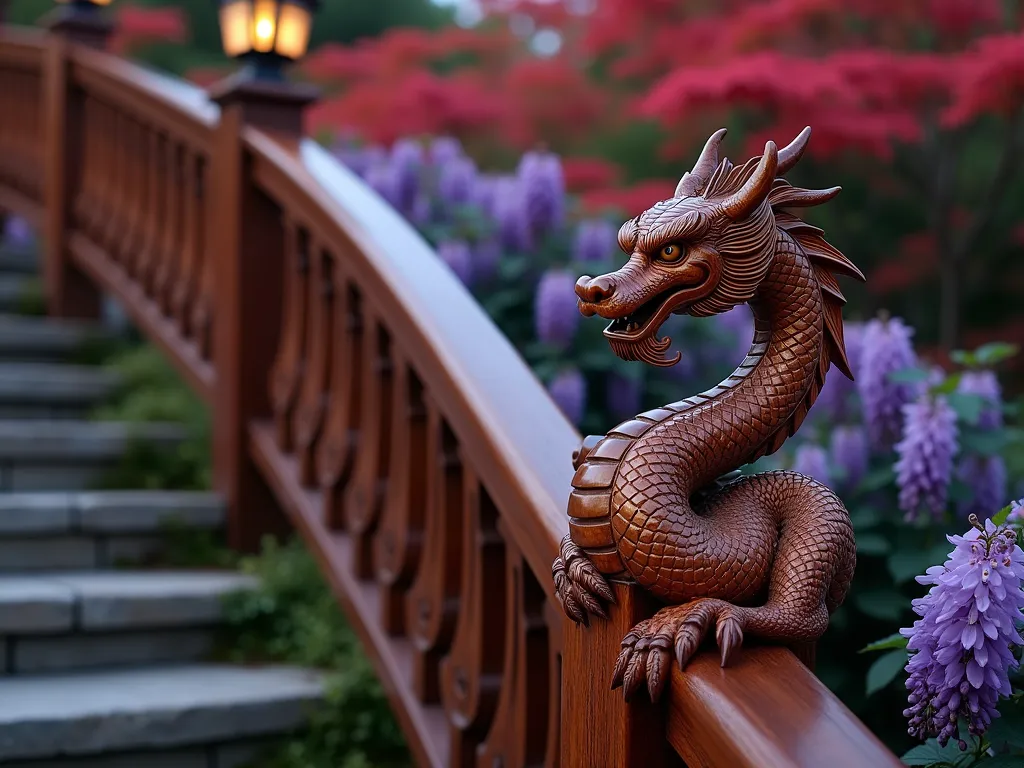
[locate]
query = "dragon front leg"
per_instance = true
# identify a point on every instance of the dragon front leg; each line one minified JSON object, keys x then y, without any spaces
{"x":579,"y":586}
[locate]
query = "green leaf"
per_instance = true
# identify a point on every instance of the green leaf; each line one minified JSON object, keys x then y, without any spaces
{"x":883,"y":604}
{"x":1008,"y":728}
{"x":876,"y":479}
{"x":865,"y":517}
{"x":909,"y":376}
{"x":895,"y":640}
{"x":968,"y":407}
{"x":988,"y":443}
{"x":999,"y":518}
{"x":932,"y":755}
{"x":1003,"y":761}
{"x":905,"y":565}
{"x":872,"y":544}
{"x":885,"y":669}
{"x":961,"y":357}
{"x":995,"y":352}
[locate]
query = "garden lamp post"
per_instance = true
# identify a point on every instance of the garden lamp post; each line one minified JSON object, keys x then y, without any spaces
{"x":266,"y":35}
{"x":81,"y":21}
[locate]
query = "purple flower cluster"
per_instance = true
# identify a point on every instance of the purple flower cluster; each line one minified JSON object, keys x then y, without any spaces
{"x":985,"y":385}
{"x":1016,"y":516}
{"x":961,"y":646}
{"x":594,"y":241}
{"x":738,"y":325}
{"x":623,"y":395}
{"x":924,"y":468}
{"x":17,"y":232}
{"x":457,"y":255}
{"x":543,"y":185}
{"x":556,"y":315}
{"x":882,"y":399}
{"x":569,"y":391}
{"x":849,"y":451}
{"x":406,"y":164}
{"x":510,"y":216}
{"x":986,"y":476}
{"x":456,"y":182}
{"x":812,"y":460}
{"x":835,"y":401}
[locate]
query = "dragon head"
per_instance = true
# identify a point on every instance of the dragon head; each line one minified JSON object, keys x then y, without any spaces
{"x":701,"y":252}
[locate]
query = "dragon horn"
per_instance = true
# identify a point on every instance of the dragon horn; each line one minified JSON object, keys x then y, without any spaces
{"x":738,"y":205}
{"x":790,"y":155}
{"x":693,"y":181}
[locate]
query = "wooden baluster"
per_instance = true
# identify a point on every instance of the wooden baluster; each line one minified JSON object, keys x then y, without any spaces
{"x":202,"y":316}
{"x":471,"y":674}
{"x":184,"y":286}
{"x":336,"y":452}
{"x":520,"y":733}
{"x":134,"y":197}
{"x":432,"y":605}
{"x":91,"y":215}
{"x":286,"y":375}
{"x":554,"y":618}
{"x":115,"y":223}
{"x":364,"y":498}
{"x":202,"y":310}
{"x":170,"y":245}
{"x":153,"y":222}
{"x":106,"y":162}
{"x":84,"y":196}
{"x":400,"y":531}
{"x":312,"y":405}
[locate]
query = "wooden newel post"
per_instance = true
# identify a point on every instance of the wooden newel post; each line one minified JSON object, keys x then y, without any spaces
{"x":69,"y":293}
{"x":598,"y":727}
{"x":247,"y":236}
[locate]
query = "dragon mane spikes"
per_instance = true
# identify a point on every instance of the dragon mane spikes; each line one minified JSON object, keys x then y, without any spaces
{"x":739,"y":204}
{"x":790,"y":154}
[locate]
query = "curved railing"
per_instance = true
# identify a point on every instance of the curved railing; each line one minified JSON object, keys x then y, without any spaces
{"x":359,"y":388}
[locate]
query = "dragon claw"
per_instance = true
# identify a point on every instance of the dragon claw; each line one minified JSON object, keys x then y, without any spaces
{"x":579,"y":586}
{"x":646,"y":649}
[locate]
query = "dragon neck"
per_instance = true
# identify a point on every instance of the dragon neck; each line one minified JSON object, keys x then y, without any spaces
{"x":773,"y":387}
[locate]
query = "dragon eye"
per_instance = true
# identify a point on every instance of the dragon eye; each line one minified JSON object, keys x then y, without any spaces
{"x":670,"y":253}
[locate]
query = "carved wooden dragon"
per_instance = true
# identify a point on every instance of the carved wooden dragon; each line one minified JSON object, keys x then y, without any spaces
{"x":769,"y":554}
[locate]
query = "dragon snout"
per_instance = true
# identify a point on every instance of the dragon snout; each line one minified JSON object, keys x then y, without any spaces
{"x":594,"y":290}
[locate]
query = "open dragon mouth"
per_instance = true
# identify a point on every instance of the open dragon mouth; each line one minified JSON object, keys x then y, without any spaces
{"x":634,"y":337}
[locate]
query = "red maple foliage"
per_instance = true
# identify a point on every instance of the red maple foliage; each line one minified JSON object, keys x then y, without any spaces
{"x":137,"y":25}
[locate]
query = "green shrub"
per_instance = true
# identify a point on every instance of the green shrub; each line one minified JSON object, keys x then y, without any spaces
{"x":294,"y":618}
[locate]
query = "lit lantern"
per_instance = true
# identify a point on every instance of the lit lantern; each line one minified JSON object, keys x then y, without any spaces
{"x":266,"y":32}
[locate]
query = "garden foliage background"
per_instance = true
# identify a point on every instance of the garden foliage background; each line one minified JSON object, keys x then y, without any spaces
{"x":517,"y":146}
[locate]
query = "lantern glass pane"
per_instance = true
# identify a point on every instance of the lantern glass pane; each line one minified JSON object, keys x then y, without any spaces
{"x":235,"y":23}
{"x":264,"y":25}
{"x":293,"y":31}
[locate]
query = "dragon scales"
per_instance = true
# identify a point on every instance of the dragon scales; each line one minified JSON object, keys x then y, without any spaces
{"x":769,"y":554}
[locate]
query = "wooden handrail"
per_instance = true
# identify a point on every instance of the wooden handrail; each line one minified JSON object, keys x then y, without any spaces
{"x":359,"y":389}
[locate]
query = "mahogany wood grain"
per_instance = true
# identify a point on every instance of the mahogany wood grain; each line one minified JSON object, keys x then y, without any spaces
{"x":766,"y":710}
{"x":286,"y":374}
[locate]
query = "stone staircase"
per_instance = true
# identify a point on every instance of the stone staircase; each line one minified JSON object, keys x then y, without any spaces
{"x":104,"y":660}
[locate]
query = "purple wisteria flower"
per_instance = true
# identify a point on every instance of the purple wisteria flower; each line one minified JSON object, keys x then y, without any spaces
{"x":849,"y":451}
{"x":986,"y":476}
{"x":456,"y":181}
{"x":422,"y":211}
{"x":738,"y":324}
{"x":457,"y":255}
{"x":486,"y":257}
{"x":961,"y":656}
{"x":1016,"y":516}
{"x":595,"y":241}
{"x":569,"y":390}
{"x":406,"y":163}
{"x":812,"y":460}
{"x":18,"y":232}
{"x":509,"y":210}
{"x":444,"y":149}
{"x":882,"y":400}
{"x":836,"y":401}
{"x":924,"y":468}
{"x":985,"y":385}
{"x":359,"y":160}
{"x":540,"y":174}
{"x":623,"y":395}
{"x":485,"y":192}
{"x":556,"y":309}
{"x":381,"y":179}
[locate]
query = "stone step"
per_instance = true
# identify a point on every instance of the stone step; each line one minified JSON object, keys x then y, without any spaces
{"x":16,"y":288}
{"x":22,"y":261}
{"x":52,"y":390}
{"x":98,"y":529}
{"x":31,"y":339}
{"x":206,"y":706}
{"x":115,"y":618}
{"x":68,"y":455}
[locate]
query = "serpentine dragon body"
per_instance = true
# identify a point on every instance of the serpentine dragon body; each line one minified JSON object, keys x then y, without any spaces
{"x":768,"y":554}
